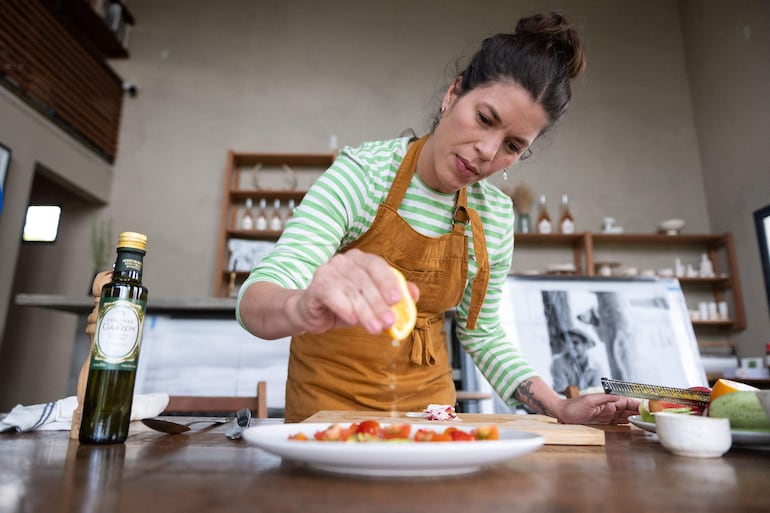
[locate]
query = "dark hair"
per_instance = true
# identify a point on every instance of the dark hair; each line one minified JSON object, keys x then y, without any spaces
{"x":542,"y":56}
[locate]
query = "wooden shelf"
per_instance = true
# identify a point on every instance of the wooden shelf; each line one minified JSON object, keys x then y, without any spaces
{"x":244,"y":194}
{"x":585,"y":245}
{"x":549,"y":238}
{"x":651,"y":238}
{"x":236,"y":192}
{"x":254,"y":234}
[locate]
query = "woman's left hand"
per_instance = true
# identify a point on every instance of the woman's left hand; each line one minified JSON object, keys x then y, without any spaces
{"x":598,"y":409}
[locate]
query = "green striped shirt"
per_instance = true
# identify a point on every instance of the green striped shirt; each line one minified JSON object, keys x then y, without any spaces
{"x":342,"y":204}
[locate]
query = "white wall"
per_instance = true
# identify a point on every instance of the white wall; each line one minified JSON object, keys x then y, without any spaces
{"x":728,"y":61}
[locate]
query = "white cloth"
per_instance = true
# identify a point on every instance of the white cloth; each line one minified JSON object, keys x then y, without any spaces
{"x":57,"y":415}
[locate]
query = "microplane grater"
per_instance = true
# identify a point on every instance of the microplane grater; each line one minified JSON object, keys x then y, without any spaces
{"x":689,"y":397}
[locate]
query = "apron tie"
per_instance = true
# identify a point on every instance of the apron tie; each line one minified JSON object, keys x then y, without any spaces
{"x":422,"y":343}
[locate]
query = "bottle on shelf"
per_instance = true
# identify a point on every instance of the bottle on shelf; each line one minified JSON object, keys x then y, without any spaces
{"x":112,"y":369}
{"x":276,"y":223}
{"x":290,"y":212}
{"x":543,"y":224}
{"x":247,"y":219}
{"x":260,"y":223}
{"x":566,"y":222}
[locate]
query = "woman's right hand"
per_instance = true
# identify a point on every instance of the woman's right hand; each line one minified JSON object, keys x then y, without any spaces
{"x":353,"y":288}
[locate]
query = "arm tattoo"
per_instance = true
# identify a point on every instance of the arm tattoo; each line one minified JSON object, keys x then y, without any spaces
{"x":525,"y":395}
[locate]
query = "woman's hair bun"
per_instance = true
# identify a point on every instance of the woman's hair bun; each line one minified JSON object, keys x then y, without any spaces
{"x":557,"y":35}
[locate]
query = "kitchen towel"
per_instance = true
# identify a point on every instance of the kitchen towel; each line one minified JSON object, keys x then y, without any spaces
{"x":57,"y":415}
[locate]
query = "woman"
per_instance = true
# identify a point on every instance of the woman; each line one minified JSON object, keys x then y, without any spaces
{"x":424,"y":207}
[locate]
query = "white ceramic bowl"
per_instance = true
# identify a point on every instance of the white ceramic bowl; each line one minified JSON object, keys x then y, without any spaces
{"x":764,"y":400}
{"x":693,"y":435}
{"x":671,"y":226}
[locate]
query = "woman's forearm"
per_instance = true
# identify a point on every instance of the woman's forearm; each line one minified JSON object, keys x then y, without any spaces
{"x":269,"y":311}
{"x":536,"y":394}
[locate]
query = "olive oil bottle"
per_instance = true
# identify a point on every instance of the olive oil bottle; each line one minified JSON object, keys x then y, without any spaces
{"x":112,"y":370}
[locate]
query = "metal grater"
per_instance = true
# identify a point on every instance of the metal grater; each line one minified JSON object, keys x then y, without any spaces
{"x":699,"y":398}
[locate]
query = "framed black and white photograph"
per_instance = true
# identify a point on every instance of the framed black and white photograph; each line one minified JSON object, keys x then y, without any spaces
{"x":576,"y":330}
{"x":5,"y":161}
{"x":762,"y":223}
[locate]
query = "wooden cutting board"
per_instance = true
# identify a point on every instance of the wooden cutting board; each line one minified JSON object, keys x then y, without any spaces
{"x":553,"y":432}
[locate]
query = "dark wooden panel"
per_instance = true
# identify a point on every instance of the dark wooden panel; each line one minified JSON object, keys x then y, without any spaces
{"x":49,"y":69}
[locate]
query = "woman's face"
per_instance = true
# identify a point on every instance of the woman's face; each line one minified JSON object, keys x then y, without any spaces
{"x":482,"y":132}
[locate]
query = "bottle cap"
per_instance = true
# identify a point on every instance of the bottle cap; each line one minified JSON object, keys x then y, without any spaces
{"x":132,"y":240}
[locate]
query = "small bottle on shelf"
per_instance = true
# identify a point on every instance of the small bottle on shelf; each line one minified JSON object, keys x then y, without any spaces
{"x":113,"y":362}
{"x":247,"y":219}
{"x":276,"y":223}
{"x":290,"y":211}
{"x":261,"y":222}
{"x":566,"y":222}
{"x":543,"y":224}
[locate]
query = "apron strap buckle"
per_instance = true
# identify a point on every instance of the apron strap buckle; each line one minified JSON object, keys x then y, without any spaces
{"x":461,"y":216}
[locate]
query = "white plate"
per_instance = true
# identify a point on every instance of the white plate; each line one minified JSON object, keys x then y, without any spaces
{"x":391,"y":459}
{"x":740,"y":437}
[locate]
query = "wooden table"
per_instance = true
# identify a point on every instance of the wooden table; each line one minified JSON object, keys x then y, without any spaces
{"x":203,"y":471}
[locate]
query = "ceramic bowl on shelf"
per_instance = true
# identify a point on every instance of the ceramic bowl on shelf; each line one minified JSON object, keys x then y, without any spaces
{"x":671,"y":226}
{"x":693,"y":435}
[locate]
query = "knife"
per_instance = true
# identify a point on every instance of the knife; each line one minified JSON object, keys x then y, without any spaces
{"x":689,"y":397}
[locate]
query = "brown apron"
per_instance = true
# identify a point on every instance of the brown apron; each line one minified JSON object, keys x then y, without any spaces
{"x":350,"y":369}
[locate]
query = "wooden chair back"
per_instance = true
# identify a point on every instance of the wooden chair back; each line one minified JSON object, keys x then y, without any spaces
{"x":219,"y":406}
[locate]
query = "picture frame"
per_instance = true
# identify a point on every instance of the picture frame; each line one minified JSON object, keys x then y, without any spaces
{"x":762,"y":223}
{"x":576,"y":330}
{"x":5,"y":163}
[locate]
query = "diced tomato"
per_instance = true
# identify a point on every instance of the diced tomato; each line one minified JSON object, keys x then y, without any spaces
{"x":368,"y":427}
{"x":486,"y":433}
{"x":424,"y":435}
{"x":458,"y":435}
{"x":442,"y":437}
{"x":373,"y":431}
{"x":396,"y":431}
{"x":334,"y":433}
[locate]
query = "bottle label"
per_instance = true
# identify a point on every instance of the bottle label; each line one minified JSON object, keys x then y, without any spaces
{"x":118,"y":335}
{"x":567,"y":226}
{"x":544,"y":226}
{"x":129,"y":260}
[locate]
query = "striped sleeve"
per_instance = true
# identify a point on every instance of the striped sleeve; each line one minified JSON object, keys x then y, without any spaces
{"x":338,"y":209}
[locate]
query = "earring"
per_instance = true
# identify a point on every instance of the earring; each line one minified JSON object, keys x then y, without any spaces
{"x":505,"y":175}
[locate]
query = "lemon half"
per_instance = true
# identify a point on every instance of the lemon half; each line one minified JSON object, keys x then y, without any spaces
{"x":405,"y":310}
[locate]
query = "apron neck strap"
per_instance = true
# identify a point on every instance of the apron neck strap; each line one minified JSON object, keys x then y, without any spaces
{"x":404,"y":173}
{"x":404,"y":176}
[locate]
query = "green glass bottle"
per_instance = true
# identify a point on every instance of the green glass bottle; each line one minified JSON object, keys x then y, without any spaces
{"x":115,"y":354}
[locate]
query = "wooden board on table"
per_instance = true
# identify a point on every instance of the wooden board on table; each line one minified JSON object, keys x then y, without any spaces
{"x":553,"y":432}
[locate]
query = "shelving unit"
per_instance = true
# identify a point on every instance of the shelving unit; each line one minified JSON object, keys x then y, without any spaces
{"x":237,"y":189}
{"x":724,"y":286}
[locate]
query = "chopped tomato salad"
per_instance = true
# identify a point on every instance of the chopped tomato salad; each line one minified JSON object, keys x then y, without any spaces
{"x":373,"y":431}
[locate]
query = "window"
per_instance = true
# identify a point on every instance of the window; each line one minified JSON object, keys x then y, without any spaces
{"x":762,"y":222}
{"x":41,"y":223}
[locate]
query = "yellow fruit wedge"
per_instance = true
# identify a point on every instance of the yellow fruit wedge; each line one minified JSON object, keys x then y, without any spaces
{"x":405,"y":310}
{"x":726,"y":386}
